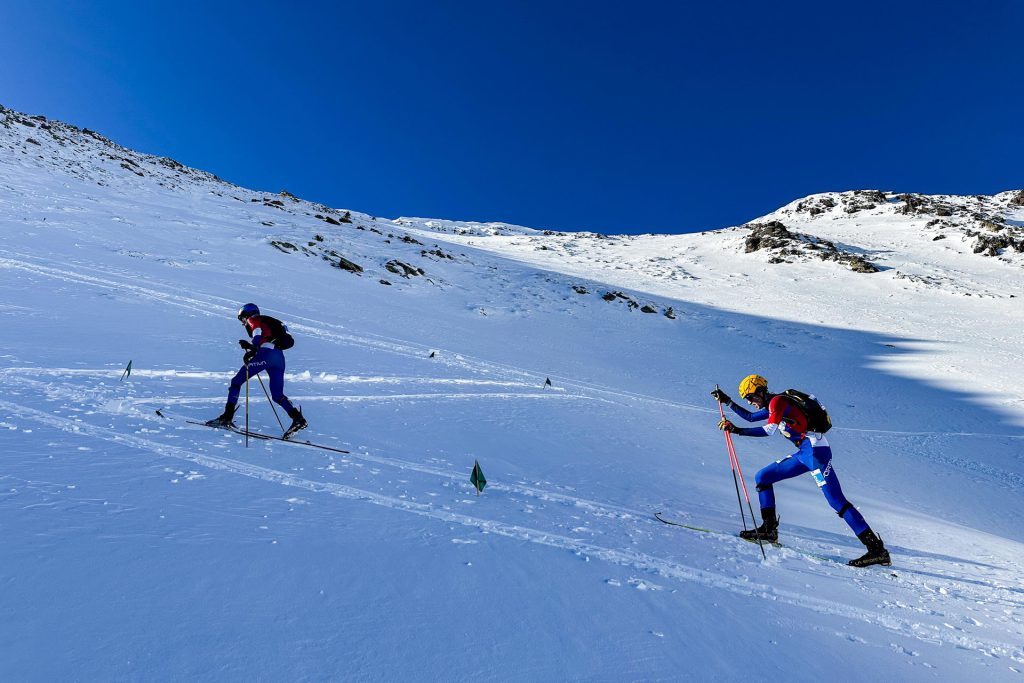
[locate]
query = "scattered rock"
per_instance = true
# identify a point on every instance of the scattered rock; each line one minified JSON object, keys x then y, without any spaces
{"x":339,"y":261}
{"x":286,"y":247}
{"x":404,"y":269}
{"x":580,"y":289}
{"x":435,"y":252}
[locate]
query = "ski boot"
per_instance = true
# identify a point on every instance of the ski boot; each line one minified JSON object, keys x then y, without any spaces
{"x":768,"y":531}
{"x":226,"y":419}
{"x":298,"y":422}
{"x":876,"y":554}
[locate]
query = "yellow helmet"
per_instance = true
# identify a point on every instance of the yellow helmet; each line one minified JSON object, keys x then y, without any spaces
{"x":751,"y":384}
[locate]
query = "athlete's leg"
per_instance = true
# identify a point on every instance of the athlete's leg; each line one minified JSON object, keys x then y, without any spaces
{"x":275,"y":371}
{"x":827,"y":479}
{"x":787,"y":468}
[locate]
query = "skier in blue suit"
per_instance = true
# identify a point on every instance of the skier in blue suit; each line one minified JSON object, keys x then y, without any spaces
{"x":264,"y":352}
{"x":785,"y":415}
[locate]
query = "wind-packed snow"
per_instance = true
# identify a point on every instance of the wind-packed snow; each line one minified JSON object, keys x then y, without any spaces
{"x":140,"y":547}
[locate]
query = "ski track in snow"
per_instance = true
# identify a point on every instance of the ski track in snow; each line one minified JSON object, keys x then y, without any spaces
{"x":667,"y":569}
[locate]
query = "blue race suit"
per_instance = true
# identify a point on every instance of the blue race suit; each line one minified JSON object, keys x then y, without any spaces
{"x":813,"y":455}
{"x":269,"y":360}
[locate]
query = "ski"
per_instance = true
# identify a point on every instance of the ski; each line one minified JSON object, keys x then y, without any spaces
{"x":712,"y":532}
{"x":264,"y":437}
{"x":657,"y":515}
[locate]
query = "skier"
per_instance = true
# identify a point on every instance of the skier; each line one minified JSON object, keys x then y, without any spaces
{"x":264,"y":353}
{"x":813,"y":455}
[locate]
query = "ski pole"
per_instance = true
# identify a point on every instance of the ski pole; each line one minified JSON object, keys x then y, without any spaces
{"x":271,"y":402}
{"x":732,"y":467}
{"x":753,"y":520}
{"x":735,"y":461}
{"x":246,"y":404}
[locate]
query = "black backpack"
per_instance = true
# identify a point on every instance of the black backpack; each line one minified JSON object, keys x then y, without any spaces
{"x":817,"y":417}
{"x":278,"y":333}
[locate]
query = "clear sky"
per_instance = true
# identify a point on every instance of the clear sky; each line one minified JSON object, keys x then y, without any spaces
{"x":623,"y":117}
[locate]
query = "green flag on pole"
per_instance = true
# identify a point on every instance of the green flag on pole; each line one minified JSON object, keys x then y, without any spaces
{"x":477,"y":479}
{"x":127,"y":371}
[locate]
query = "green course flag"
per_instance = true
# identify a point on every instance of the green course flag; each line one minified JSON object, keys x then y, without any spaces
{"x":477,"y":479}
{"x":127,"y":371}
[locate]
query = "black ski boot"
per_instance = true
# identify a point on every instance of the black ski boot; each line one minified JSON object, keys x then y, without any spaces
{"x":768,"y":531}
{"x":298,"y":422}
{"x":226,"y":419}
{"x":876,"y":554}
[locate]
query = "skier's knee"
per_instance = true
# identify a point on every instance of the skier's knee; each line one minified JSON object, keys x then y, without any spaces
{"x":842,"y":510}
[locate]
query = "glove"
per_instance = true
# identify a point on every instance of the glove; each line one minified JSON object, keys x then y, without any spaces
{"x":726,"y":426}
{"x":246,"y":344}
{"x":721,"y":396}
{"x":249,"y":355}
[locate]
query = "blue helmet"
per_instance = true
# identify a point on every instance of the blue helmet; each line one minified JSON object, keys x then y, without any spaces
{"x":247,"y":311}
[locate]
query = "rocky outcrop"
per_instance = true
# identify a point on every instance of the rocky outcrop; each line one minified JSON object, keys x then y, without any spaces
{"x":783,"y":244}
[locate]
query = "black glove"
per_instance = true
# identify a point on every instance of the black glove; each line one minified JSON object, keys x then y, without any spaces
{"x":249,"y":355}
{"x":721,"y":396}
{"x":726,"y":426}
{"x":246,"y":344}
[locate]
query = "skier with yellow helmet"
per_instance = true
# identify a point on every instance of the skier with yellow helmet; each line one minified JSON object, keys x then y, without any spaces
{"x":801,"y":419}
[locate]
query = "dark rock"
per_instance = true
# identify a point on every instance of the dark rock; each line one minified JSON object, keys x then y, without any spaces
{"x":580,"y":289}
{"x":339,"y":261}
{"x":768,"y":236}
{"x":670,"y":313}
{"x":33,"y":141}
{"x":286,"y":247}
{"x":1018,"y":199}
{"x":648,"y":309}
{"x":911,"y":204}
{"x":859,"y":264}
{"x":385,"y":282}
{"x":411,"y":240}
{"x":404,"y":269}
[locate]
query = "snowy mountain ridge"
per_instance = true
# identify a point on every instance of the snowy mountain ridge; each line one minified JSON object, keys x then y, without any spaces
{"x":141,"y":547}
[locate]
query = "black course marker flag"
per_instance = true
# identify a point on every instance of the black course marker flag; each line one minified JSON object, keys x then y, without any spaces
{"x":127,"y":371}
{"x":477,"y":479}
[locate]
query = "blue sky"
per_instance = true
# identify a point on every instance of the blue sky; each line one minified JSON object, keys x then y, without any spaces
{"x":611,"y":116}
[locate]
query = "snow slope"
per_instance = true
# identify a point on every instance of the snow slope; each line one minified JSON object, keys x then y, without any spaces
{"x":139,"y":547}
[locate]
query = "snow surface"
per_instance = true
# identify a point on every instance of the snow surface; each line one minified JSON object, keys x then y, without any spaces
{"x":145,"y":548}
